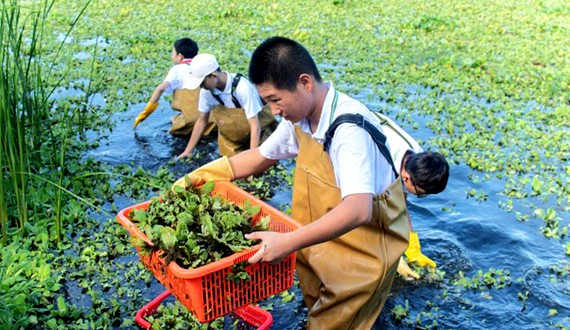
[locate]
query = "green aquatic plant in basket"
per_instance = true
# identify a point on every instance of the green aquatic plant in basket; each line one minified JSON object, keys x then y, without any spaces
{"x":194,"y":228}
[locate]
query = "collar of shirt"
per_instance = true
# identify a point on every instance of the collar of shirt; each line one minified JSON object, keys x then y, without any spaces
{"x":324,"y":124}
{"x":228,"y":88}
{"x":324,"y":121}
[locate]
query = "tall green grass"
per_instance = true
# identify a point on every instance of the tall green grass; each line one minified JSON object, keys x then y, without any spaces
{"x":23,"y":105}
{"x":27,"y":119}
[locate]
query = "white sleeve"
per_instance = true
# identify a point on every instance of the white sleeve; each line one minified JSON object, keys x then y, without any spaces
{"x":358,"y":164}
{"x":207,"y":102}
{"x":282,"y":143}
{"x":247,"y":96}
{"x":174,"y":80}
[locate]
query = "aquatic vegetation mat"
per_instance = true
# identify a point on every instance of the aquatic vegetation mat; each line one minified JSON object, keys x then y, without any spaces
{"x":486,"y":83}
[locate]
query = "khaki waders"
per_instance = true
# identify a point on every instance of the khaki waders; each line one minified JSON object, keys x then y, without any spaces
{"x":345,"y":281}
{"x":233,"y":128}
{"x":186,"y":101}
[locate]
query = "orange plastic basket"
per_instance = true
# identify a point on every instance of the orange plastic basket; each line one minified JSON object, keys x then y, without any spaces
{"x":205,"y":291}
{"x":253,"y":316}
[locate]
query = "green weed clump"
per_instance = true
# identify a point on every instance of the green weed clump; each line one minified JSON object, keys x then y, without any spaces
{"x":28,"y":286}
{"x":194,"y":228}
{"x":494,"y":278}
{"x":23,"y":107}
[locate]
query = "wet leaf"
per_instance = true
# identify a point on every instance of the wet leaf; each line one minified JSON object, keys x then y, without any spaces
{"x":61,"y":306}
{"x":207,"y":188}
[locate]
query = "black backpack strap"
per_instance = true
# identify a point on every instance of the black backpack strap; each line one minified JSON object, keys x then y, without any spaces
{"x":359,"y":120}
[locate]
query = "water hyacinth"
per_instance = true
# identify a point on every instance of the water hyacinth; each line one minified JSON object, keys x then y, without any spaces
{"x":194,"y":228}
{"x":486,"y":83}
{"x":168,"y":237}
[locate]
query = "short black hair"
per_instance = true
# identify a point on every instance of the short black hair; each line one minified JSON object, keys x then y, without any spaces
{"x":187,"y":47}
{"x":428,"y":170}
{"x":280,"y":61}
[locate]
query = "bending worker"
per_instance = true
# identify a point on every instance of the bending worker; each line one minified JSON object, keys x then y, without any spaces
{"x":423,"y":173}
{"x":241,"y":119}
{"x":348,"y":198}
{"x":184,"y":99}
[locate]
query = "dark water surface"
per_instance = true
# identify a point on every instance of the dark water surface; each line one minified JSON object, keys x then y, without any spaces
{"x":461,"y":234}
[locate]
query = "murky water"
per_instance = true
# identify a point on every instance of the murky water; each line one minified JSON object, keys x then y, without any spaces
{"x":461,"y":234}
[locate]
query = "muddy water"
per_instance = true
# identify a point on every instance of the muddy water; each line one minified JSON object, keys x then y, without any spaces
{"x":461,"y":234}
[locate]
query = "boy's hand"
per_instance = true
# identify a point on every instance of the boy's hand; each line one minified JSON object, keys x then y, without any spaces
{"x":274,"y":246}
{"x":184,"y":154}
{"x":150,"y":107}
{"x":406,"y":271}
{"x":217,"y":170}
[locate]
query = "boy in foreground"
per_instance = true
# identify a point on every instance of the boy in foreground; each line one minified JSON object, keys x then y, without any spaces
{"x":351,"y":205}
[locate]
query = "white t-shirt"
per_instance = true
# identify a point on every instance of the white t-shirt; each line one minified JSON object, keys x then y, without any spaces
{"x":245,"y":93}
{"x":176,"y":77}
{"x":399,"y":140}
{"x":358,"y":164}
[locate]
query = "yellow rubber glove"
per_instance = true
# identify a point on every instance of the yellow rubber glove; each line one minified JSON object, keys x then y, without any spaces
{"x":217,"y":170}
{"x":414,"y":252}
{"x":406,"y":271}
{"x":150,"y":107}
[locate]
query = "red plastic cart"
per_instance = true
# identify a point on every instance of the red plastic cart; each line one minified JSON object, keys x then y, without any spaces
{"x":254,"y":316}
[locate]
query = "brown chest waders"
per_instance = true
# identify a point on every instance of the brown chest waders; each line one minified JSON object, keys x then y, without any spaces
{"x":186,"y":101}
{"x":233,"y":128}
{"x":345,"y":281}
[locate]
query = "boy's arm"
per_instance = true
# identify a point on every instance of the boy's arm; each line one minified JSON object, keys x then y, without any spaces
{"x":414,"y":251}
{"x":222,"y":169}
{"x":254,"y":132}
{"x":355,"y":210}
{"x":250,"y":162}
{"x":158,"y":91}
{"x":197,"y":132}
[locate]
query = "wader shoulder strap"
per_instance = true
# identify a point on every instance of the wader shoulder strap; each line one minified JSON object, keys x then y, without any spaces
{"x":377,"y":136}
{"x":235,"y":82}
{"x":217,"y":97}
{"x":234,"y":85}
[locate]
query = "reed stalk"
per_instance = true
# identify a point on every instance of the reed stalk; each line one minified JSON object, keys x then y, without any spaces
{"x":25,"y":113}
{"x":19,"y":111}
